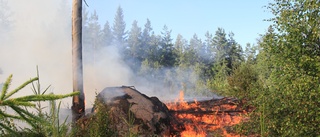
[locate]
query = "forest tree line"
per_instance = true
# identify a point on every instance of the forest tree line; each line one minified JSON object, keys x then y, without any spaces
{"x":279,"y":76}
{"x":190,"y":65}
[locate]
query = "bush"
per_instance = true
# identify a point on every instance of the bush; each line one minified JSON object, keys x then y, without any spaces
{"x":95,"y":125}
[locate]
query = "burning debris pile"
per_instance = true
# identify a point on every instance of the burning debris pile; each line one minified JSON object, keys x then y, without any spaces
{"x":203,"y":118}
{"x":133,"y":112}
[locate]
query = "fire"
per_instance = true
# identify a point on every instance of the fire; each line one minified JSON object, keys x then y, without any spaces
{"x":201,"y":118}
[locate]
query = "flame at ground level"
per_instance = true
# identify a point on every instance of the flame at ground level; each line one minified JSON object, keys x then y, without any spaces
{"x":201,"y":118}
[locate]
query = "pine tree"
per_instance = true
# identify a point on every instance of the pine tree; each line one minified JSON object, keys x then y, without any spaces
{"x":220,"y":45}
{"x":94,"y":33}
{"x":135,"y":48}
{"x":146,"y":39}
{"x":196,"y":43}
{"x":209,"y":48}
{"x":154,"y":51}
{"x":107,"y":36}
{"x":118,"y":29}
{"x":234,"y":55}
{"x":167,"y":57}
{"x":134,"y":41}
{"x":226,"y":51}
{"x":180,"y":50}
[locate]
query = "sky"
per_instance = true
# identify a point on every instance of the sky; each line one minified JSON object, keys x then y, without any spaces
{"x":245,"y":18}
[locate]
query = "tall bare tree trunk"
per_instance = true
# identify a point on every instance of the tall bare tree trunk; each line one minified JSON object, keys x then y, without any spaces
{"x":78,"y":105}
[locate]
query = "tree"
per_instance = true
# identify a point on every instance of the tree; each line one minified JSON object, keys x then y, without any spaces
{"x":227,"y":57}
{"x":119,"y":27}
{"x":220,"y":44}
{"x":250,"y":52}
{"x":134,"y":43}
{"x":234,"y":55}
{"x":153,"y":50}
{"x":288,"y":67}
{"x":180,"y":49}
{"x":197,"y":46}
{"x":208,"y":43}
{"x":167,"y":58}
{"x":107,"y":36}
{"x":195,"y":43}
{"x":94,"y":33}
{"x":78,"y":106}
{"x":146,"y":34}
{"x":293,"y":100}
{"x":134,"y":40}
{"x":146,"y":38}
{"x":226,"y":51}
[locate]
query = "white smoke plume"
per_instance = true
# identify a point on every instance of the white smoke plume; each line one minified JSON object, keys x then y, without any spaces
{"x":40,"y":35}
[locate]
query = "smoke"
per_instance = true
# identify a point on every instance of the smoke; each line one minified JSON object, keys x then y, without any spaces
{"x":106,"y":69}
{"x":37,"y":37}
{"x":40,"y":35}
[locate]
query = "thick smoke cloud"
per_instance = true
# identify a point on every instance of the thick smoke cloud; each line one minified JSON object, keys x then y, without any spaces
{"x":40,"y":35}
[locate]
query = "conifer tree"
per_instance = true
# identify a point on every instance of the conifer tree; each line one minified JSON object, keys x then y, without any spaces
{"x":119,"y":29}
{"x":135,"y":48}
{"x":107,"y":36}
{"x":94,"y":33}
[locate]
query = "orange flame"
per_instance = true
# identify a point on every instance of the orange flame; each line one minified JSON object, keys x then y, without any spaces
{"x":199,"y":120}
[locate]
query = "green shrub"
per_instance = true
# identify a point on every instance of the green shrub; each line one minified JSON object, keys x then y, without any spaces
{"x":96,"y":125}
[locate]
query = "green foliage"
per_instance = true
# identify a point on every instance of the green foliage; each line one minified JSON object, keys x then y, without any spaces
{"x":294,"y":80}
{"x":243,"y":82}
{"x":52,"y":125}
{"x":287,"y":103}
{"x":118,"y":28}
{"x":219,"y":82}
{"x":20,"y":104}
{"x":96,"y":125}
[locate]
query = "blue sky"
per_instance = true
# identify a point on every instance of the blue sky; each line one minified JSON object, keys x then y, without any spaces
{"x":245,"y":18}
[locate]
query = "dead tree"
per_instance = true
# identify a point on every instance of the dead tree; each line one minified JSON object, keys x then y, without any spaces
{"x":78,"y":105}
